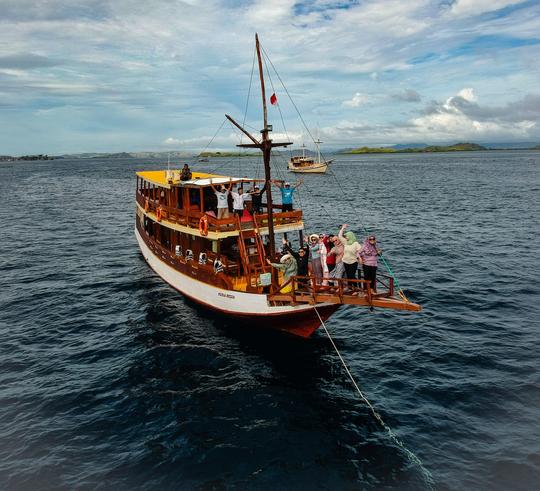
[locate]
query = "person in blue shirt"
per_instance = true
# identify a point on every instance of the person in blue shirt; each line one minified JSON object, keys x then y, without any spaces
{"x":287,"y":192}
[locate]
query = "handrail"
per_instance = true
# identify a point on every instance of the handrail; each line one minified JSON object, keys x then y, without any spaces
{"x":317,"y":288}
{"x":190,"y":218}
{"x":203,"y":272}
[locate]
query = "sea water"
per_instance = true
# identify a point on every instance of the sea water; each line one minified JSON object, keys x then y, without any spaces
{"x":110,"y":379}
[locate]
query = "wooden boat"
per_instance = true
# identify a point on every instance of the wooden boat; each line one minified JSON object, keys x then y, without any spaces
{"x":181,"y":238}
{"x":303,"y":164}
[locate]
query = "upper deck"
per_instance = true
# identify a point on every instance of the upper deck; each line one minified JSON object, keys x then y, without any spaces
{"x":180,"y":205}
{"x":171,"y":178}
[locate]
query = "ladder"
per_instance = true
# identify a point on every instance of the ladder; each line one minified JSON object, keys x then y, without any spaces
{"x":252,"y":253}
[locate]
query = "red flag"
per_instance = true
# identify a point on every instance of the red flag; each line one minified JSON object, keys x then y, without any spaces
{"x":273,"y":99}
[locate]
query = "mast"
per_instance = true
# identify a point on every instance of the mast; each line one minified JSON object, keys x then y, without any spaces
{"x":318,"y":143}
{"x":265,"y":146}
{"x":266,"y":149}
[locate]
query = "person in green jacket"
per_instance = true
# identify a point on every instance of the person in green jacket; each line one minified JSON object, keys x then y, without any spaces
{"x":289,"y":266}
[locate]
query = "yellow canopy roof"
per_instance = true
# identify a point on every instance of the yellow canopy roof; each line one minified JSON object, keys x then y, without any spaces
{"x":170,"y":178}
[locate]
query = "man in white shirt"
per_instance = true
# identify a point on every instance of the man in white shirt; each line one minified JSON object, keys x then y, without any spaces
{"x":238,"y":201}
{"x":222,"y":196}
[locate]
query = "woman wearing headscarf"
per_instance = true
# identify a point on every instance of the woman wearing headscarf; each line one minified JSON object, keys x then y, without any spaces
{"x":302,"y":260}
{"x":315,"y":258}
{"x":288,"y":265}
{"x":368,"y":258}
{"x":323,"y":252}
{"x":350,"y":249}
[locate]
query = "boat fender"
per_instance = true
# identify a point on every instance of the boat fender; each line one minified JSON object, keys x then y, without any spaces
{"x":203,"y":226}
{"x":146,"y":204}
{"x":159,"y":213}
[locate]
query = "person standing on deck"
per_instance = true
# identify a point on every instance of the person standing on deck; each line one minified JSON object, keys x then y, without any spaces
{"x":222,"y":196}
{"x":238,"y":201}
{"x":350,"y":248}
{"x":337,"y":253}
{"x":368,"y":258}
{"x":330,"y":258}
{"x":288,"y":265}
{"x":256,"y":199}
{"x":315,"y":258}
{"x":302,"y":257}
{"x":287,"y":192}
{"x":323,"y":252}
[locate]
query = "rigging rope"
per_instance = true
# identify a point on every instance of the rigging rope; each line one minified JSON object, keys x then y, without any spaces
{"x":288,"y":95}
{"x":265,"y":57}
{"x":213,"y":138}
{"x":412,"y":457}
{"x":383,"y":259}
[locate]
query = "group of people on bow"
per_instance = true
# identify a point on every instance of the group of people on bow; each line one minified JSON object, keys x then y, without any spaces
{"x":327,"y":257}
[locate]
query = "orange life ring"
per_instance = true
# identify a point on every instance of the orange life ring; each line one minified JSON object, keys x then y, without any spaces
{"x":146,"y":204}
{"x":203,"y":226}
{"x":159,"y":212}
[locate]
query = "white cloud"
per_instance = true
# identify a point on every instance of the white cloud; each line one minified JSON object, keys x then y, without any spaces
{"x":172,"y":141}
{"x":467,"y":94}
{"x":357,"y":100}
{"x":477,"y":7}
{"x":460,"y":118}
{"x":152,"y":69}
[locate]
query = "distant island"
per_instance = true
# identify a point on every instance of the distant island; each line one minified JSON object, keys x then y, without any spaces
{"x":458,"y":147}
{"x":175,"y":155}
{"x":228,"y":154}
{"x":9,"y":158}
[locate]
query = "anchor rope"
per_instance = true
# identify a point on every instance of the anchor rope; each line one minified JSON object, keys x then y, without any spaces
{"x":411,"y":456}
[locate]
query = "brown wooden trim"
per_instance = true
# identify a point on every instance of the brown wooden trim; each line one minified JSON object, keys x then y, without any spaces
{"x":192,"y":269}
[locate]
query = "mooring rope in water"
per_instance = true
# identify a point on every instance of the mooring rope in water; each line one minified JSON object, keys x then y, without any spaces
{"x":412,"y":457}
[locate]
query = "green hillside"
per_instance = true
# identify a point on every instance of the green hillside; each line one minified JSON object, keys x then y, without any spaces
{"x":458,"y":147}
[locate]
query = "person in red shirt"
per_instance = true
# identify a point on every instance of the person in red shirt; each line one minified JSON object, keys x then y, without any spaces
{"x":330,"y":258}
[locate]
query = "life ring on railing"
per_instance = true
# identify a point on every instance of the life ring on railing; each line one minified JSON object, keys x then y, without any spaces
{"x":146,"y":204}
{"x":203,"y":226}
{"x":159,"y":213}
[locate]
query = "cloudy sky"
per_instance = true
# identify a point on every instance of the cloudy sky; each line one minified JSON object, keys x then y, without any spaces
{"x":132,"y":75}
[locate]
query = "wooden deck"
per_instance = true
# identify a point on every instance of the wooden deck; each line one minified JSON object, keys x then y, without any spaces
{"x":306,"y":289}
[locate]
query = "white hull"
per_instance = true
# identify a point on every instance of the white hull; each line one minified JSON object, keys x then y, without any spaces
{"x":226,"y":301}
{"x":318,"y":168}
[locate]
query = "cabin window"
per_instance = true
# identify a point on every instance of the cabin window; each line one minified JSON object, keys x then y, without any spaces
{"x":194,"y":199}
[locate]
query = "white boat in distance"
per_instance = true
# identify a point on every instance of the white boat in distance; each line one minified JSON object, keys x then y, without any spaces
{"x":303,"y":164}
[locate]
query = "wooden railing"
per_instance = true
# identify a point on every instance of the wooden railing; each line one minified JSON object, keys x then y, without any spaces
{"x":339,"y":286}
{"x":201,"y":272}
{"x":191,"y":218}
